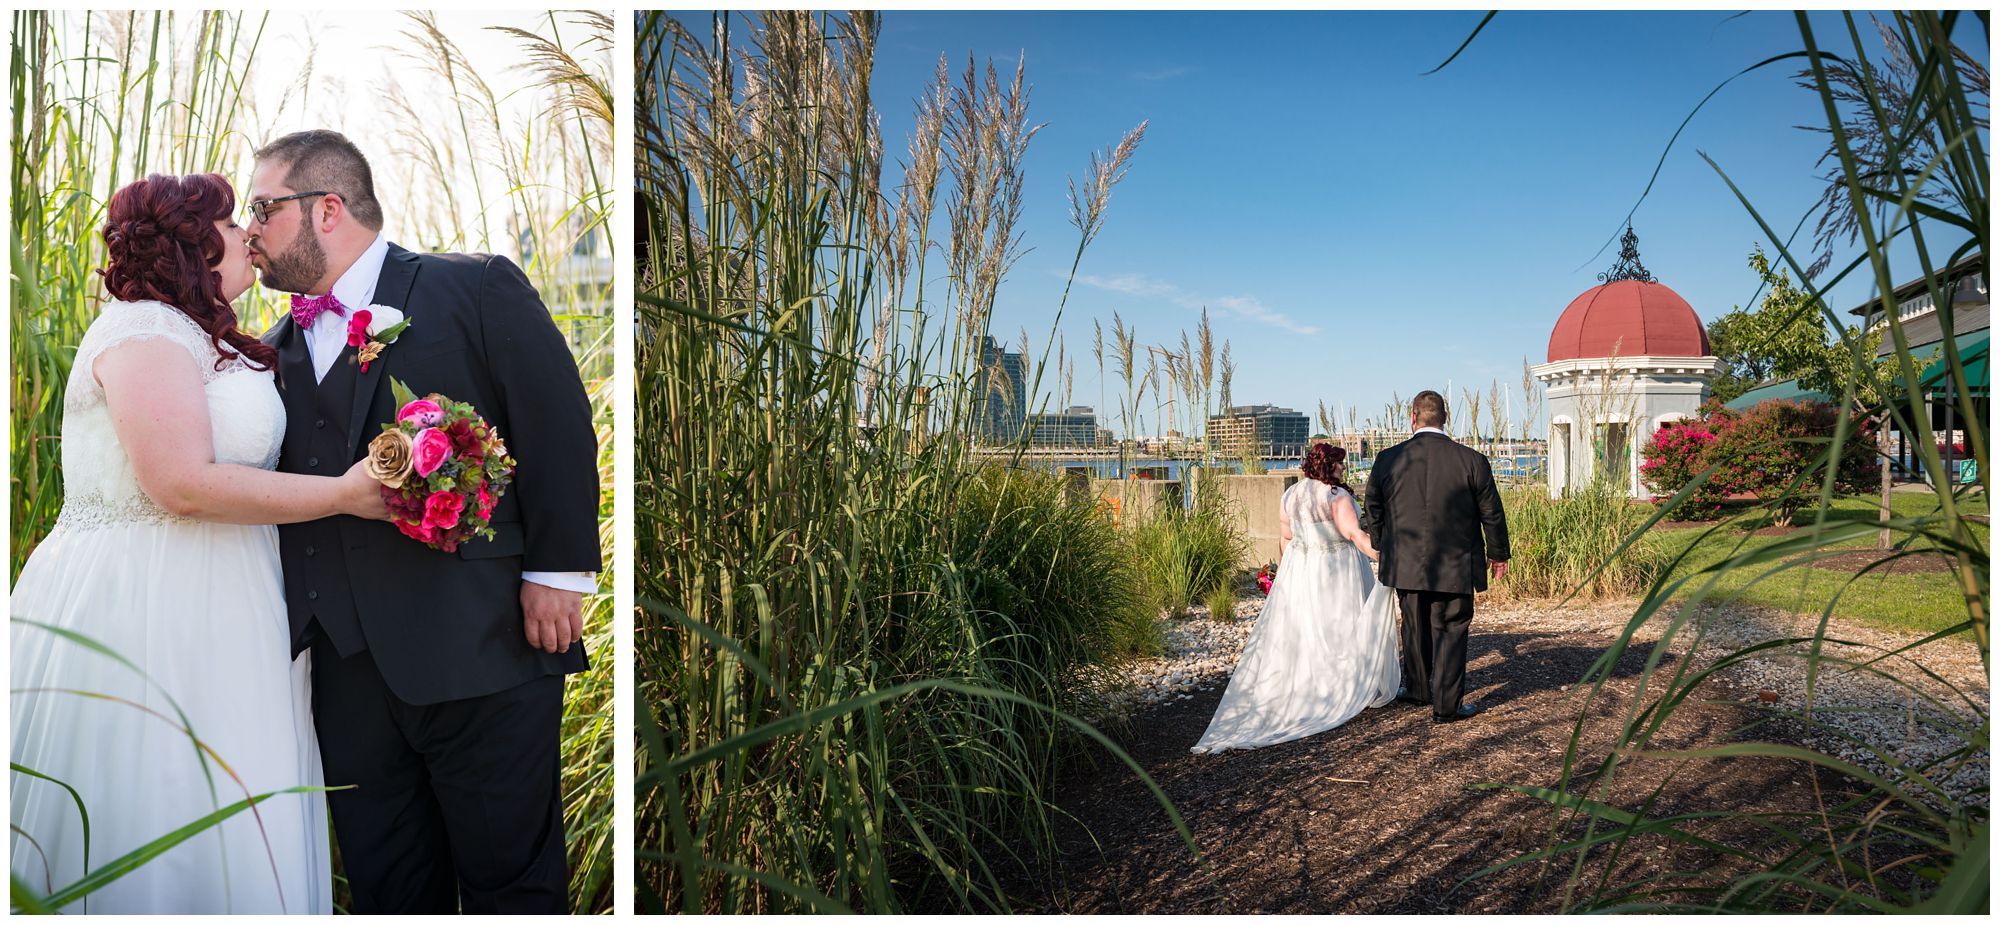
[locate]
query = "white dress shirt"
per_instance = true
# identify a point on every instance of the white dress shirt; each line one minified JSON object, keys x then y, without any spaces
{"x":328,"y":338}
{"x":1429,"y":430}
{"x":356,"y":290}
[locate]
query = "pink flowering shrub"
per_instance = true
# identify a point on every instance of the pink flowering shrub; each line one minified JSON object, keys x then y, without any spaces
{"x":1760,"y":452}
{"x":1677,"y":454}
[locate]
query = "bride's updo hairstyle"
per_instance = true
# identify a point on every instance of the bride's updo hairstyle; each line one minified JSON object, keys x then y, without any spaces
{"x":162,"y":245}
{"x":1320,"y":463}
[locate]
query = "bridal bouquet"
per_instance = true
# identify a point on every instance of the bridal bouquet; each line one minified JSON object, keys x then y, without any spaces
{"x":442,"y":469}
{"x":1265,"y":576}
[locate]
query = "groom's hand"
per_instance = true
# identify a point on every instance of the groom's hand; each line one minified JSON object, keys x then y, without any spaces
{"x":1499,"y":569}
{"x":553,"y":617}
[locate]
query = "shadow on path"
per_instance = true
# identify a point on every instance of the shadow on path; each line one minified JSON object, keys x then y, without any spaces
{"x":1375,"y":816}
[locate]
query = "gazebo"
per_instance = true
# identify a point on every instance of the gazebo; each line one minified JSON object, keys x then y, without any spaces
{"x":1626,"y":357}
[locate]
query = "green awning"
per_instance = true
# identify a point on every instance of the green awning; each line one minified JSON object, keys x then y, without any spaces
{"x":1787,"y":389}
{"x":1971,"y":353}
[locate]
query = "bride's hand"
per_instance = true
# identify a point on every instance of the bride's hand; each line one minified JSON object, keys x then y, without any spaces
{"x":361,"y":495}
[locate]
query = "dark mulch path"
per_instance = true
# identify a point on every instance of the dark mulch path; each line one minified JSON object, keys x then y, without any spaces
{"x":1283,"y":830}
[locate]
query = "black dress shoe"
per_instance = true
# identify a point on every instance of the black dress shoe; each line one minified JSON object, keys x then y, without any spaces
{"x":1403,"y":694}
{"x":1463,"y":712}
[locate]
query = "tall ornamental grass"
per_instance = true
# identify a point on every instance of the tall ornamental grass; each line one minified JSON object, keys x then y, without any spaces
{"x":1887,"y":831}
{"x":1575,"y":546}
{"x":852,"y":644}
{"x":1050,"y":572}
{"x":1185,"y":554}
{"x":104,"y":98}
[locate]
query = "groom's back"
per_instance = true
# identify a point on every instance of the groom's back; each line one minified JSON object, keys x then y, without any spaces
{"x":1426,"y":503}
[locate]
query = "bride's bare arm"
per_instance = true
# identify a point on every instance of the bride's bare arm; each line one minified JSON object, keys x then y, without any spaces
{"x":1349,"y":524}
{"x":160,"y":413}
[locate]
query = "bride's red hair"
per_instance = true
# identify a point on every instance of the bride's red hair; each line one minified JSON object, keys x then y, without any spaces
{"x":1321,"y":462}
{"x":162,"y":245}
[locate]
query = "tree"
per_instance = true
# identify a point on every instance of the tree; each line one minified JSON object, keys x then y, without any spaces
{"x":1785,"y":337}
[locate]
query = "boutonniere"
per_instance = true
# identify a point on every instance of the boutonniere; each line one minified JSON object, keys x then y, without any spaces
{"x":372,"y":330}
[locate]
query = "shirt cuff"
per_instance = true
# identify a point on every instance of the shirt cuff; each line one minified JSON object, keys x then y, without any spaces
{"x":580,"y":582}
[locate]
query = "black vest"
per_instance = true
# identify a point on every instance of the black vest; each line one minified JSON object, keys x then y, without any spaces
{"x":318,"y":584}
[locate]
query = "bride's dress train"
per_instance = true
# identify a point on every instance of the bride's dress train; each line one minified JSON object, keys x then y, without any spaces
{"x":1325,"y":646}
{"x":200,"y":609}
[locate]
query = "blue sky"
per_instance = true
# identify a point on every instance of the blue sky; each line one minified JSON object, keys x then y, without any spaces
{"x":1356,"y":228}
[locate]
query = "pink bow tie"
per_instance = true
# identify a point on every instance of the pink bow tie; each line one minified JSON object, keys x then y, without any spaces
{"x":306,"y":308}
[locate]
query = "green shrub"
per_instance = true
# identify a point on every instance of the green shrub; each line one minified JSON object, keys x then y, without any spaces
{"x":1767,"y":450}
{"x":1222,"y":601}
{"x":1184,"y":555}
{"x":1057,"y":571}
{"x":1558,"y":543}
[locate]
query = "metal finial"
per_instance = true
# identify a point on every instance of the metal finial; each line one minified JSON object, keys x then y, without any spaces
{"x":1628,"y":265}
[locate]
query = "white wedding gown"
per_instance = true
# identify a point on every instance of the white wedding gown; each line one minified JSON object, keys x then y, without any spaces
{"x":199,"y":608}
{"x":1325,"y":646}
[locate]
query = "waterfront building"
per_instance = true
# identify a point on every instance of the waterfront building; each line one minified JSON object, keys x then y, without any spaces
{"x":1073,"y":427}
{"x":1262,"y":430}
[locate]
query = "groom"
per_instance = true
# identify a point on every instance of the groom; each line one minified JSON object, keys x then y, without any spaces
{"x":1429,"y":500}
{"x":437,"y":677}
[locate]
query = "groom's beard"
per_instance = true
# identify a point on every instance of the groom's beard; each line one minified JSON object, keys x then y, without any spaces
{"x":298,"y":268}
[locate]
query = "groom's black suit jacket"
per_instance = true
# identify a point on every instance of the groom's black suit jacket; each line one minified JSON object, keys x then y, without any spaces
{"x":443,"y":626}
{"x":1428,"y":499}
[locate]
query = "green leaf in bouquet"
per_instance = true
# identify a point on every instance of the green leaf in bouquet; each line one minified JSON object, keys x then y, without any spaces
{"x":402,"y":392}
{"x":390,"y":333}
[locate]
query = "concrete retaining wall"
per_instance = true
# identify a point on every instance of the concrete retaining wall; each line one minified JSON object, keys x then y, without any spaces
{"x":1255,"y":499}
{"x":1129,"y":501}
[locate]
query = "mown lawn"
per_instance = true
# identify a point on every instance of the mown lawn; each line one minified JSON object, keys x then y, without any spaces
{"x":1909,"y":601}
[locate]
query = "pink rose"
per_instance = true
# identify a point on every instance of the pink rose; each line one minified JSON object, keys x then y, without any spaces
{"x":357,"y":327}
{"x":423,"y":411}
{"x":430,"y":449}
{"x":422,"y":533}
{"x":442,"y":508}
{"x":486,"y":502}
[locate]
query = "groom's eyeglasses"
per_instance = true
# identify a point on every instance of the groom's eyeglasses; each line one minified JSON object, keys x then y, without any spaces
{"x":260,"y":209}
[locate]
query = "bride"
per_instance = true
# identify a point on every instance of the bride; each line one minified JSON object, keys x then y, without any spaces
{"x":1325,"y":646}
{"x":164,"y":554}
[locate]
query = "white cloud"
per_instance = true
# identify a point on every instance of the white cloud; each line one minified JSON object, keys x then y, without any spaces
{"x":1248,"y":307}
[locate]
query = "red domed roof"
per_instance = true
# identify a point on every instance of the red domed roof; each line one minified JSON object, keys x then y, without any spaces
{"x":1629,"y":317}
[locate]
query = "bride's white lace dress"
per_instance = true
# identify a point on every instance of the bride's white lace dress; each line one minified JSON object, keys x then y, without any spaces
{"x":199,"y":608}
{"x":1325,"y":646}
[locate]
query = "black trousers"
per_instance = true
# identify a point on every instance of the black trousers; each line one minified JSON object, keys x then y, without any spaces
{"x":456,"y":806}
{"x":1435,"y":625}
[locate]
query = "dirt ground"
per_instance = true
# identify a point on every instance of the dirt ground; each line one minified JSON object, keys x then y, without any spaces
{"x":1379,"y":816}
{"x":1856,"y":561}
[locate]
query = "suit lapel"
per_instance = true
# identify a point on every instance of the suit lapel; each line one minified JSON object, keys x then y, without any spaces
{"x":295,"y":379}
{"x":392,"y":288}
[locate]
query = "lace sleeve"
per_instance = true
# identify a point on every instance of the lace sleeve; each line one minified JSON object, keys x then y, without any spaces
{"x":123,"y":323}
{"x":1308,"y":501}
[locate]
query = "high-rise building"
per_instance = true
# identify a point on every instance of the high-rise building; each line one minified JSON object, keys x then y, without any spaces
{"x":1003,"y":394}
{"x":1266,"y":430}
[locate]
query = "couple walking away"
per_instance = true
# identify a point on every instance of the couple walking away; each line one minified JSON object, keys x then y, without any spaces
{"x":221,"y":535}
{"x":1326,"y":646}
